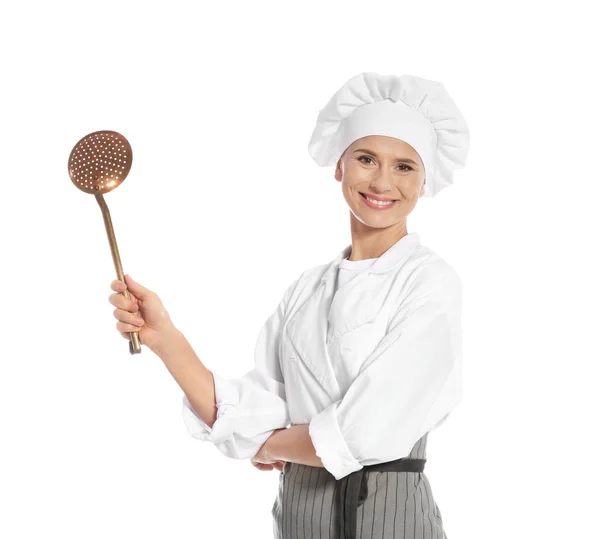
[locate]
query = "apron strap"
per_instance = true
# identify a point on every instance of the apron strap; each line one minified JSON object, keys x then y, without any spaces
{"x":351,"y":490}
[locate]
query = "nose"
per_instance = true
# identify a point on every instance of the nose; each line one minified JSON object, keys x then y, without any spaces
{"x":381,"y":181}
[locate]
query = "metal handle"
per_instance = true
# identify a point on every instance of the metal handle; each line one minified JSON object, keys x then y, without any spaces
{"x":134,"y":338}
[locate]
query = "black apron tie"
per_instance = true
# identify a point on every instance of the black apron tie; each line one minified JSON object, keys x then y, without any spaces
{"x":351,"y":490}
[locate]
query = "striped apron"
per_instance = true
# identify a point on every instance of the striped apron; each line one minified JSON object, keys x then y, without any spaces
{"x":383,"y":501}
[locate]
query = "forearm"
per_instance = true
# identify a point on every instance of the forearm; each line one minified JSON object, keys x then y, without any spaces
{"x":293,"y":444}
{"x":189,"y":372}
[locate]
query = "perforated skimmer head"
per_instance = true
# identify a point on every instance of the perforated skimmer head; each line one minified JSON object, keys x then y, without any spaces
{"x":100,"y":161}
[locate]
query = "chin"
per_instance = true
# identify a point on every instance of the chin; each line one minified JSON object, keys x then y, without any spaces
{"x":374,"y":222}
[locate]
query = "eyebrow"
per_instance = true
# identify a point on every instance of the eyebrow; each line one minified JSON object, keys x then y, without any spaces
{"x":398,"y":160}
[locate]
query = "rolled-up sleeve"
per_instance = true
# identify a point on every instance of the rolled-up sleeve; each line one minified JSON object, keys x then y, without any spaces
{"x":406,"y":387}
{"x":251,"y":407}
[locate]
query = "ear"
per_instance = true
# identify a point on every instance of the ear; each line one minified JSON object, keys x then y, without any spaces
{"x":338,"y":170}
{"x":422,"y":192}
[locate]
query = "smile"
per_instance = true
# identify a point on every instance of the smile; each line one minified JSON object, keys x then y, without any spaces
{"x":376,"y":204}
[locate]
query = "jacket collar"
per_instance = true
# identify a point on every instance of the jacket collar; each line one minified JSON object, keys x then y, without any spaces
{"x":388,"y":260}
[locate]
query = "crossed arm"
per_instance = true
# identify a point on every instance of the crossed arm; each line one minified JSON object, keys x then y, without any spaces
{"x":292,"y":444}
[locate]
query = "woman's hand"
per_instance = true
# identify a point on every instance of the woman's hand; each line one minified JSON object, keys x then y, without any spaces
{"x":155,"y":324}
{"x":263,"y":461}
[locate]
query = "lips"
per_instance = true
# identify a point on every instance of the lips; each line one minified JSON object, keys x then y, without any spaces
{"x":380,"y":207}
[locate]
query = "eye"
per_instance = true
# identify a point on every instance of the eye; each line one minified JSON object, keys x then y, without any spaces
{"x":370,"y":160}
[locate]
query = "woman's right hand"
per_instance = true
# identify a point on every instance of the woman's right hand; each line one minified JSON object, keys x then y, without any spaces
{"x":145,"y":305}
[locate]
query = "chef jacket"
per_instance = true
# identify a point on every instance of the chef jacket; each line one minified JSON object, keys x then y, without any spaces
{"x":371,"y":363}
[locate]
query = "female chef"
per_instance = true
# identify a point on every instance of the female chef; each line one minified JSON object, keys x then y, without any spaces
{"x":361,"y":359}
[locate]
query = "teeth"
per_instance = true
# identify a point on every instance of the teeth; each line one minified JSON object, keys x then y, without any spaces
{"x":378,"y":202}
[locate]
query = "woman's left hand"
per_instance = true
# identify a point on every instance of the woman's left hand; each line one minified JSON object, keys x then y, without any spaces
{"x":263,"y":461}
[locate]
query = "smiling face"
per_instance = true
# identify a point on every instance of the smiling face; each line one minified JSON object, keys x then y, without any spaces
{"x":384,"y":168}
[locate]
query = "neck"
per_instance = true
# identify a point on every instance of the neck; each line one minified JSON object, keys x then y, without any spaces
{"x":369,"y":242}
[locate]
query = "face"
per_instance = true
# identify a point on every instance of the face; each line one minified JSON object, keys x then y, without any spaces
{"x":385,"y":168}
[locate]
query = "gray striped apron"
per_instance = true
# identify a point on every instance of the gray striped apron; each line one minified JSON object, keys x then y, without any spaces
{"x":383,"y":501}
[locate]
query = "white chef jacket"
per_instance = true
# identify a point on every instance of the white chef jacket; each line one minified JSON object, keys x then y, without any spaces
{"x":371,"y":363}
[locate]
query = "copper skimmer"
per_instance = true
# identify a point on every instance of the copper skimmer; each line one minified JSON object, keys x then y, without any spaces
{"x":99,"y":163}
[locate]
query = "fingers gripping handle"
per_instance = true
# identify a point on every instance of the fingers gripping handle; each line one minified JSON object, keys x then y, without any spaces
{"x":134,"y":338}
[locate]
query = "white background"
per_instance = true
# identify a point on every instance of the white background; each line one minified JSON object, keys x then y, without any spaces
{"x":224,"y":207}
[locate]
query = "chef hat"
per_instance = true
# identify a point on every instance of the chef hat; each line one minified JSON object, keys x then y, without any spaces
{"x":418,"y":111}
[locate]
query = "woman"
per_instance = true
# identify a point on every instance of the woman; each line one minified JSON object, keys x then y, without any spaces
{"x":362,"y":356}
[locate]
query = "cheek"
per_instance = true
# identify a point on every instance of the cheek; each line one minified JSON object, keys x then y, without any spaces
{"x":350,"y":192}
{"x":410,"y":189}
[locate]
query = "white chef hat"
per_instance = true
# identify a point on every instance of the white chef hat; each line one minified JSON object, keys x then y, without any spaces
{"x":415,"y":110}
